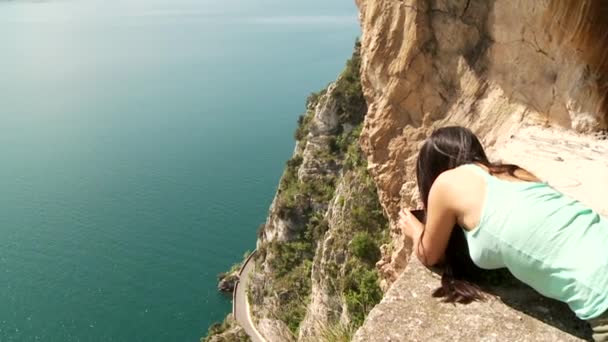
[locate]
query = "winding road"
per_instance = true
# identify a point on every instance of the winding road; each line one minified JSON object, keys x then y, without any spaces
{"x":240,"y":304}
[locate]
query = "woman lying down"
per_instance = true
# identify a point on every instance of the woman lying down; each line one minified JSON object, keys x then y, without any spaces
{"x":511,"y":219}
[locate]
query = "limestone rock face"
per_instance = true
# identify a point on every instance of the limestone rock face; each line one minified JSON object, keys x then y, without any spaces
{"x":491,"y":65}
{"x":407,"y":313}
{"x":326,"y":119}
{"x":326,"y":304}
{"x":274,"y":330}
{"x":277,"y":227}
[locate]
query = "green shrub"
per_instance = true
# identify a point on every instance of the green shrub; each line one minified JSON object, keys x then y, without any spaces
{"x":318,"y":189}
{"x":334,"y":148}
{"x":349,"y":93}
{"x":293,"y":290}
{"x":290,"y":175}
{"x":364,"y":247}
{"x":344,"y":140}
{"x":288,"y":196}
{"x":316,"y":227}
{"x":289,"y":255}
{"x":313,"y":98}
{"x":362,"y":293}
{"x":303,"y":126}
{"x":294,"y":194}
{"x":366,"y":218}
{"x":292,"y":314}
{"x":217,"y":328}
{"x":294,"y":162}
{"x":261,"y":253}
{"x":354,"y":158}
{"x":326,"y":155}
{"x":337,"y":332}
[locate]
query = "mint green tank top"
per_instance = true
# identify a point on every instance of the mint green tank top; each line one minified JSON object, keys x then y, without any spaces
{"x":546,"y":239}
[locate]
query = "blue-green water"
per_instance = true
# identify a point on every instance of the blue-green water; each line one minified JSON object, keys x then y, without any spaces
{"x":141,"y":143}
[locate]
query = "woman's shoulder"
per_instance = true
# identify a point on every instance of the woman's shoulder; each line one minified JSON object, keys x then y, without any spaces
{"x":460,"y":180}
{"x":456,"y":175}
{"x":460,"y":189}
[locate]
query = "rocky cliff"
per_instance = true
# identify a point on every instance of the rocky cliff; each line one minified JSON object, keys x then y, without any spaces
{"x":530,"y":78}
{"x":315,"y":274}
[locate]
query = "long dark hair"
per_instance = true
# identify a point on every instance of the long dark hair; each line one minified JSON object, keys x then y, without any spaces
{"x":445,"y":149}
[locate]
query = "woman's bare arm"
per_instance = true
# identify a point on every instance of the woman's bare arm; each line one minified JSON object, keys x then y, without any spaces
{"x":441,"y":217}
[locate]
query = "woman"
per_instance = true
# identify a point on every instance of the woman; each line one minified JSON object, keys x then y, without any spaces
{"x":508,"y":218}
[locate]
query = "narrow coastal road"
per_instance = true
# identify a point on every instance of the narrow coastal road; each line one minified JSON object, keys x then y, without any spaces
{"x":240,"y":306}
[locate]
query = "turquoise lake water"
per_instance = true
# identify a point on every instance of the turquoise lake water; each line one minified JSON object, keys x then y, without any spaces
{"x":141,"y":143}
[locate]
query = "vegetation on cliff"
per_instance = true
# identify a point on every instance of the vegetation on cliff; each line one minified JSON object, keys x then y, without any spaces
{"x":227,"y":331}
{"x":306,"y":200}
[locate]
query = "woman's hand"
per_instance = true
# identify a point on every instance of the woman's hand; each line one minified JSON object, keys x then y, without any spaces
{"x":410,"y":225}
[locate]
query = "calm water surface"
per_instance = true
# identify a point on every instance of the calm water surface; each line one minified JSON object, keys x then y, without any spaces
{"x":141,"y":143}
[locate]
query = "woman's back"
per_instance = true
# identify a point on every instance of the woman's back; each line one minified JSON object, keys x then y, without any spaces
{"x":546,"y":239}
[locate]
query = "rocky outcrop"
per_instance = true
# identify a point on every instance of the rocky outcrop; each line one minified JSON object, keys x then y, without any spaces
{"x":227,"y":331}
{"x":407,"y":313}
{"x":274,"y":330}
{"x":227,"y":282}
